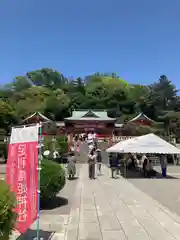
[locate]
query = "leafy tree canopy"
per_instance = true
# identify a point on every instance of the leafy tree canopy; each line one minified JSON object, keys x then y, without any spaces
{"x":50,"y":92}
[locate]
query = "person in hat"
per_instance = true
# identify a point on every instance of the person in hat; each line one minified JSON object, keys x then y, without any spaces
{"x":99,"y":160}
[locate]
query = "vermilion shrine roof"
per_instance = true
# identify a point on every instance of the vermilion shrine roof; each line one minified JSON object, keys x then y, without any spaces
{"x":141,"y":117}
{"x":90,"y":115}
{"x":38,"y":115}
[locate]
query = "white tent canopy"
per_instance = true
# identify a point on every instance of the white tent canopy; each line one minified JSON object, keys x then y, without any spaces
{"x":149,"y":143}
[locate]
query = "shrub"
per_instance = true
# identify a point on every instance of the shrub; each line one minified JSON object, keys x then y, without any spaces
{"x":3,"y":149}
{"x":62,"y":144}
{"x":52,"y":179}
{"x":3,"y":134}
{"x":47,"y":143}
{"x":7,"y":216}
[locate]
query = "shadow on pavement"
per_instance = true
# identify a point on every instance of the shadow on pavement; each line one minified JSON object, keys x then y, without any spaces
{"x":137,"y":174}
{"x":32,"y":235}
{"x":72,"y":179}
{"x":54,"y":203}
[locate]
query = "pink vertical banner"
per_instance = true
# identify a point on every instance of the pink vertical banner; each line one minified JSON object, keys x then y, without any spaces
{"x":22,"y":174}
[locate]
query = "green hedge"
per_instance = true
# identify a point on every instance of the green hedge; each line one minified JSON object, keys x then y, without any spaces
{"x":7,"y":216}
{"x":52,"y":179}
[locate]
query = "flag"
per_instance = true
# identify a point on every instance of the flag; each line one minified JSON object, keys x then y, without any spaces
{"x":22,"y":174}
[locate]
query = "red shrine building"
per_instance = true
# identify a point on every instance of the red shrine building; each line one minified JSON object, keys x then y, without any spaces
{"x":84,"y":121}
{"x":48,"y":126}
{"x":142,"y":119}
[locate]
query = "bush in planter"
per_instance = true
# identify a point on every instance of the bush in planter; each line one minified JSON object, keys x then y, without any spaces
{"x":52,"y":179}
{"x":7,"y":216}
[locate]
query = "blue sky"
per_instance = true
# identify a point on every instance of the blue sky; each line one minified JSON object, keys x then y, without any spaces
{"x":137,"y":39}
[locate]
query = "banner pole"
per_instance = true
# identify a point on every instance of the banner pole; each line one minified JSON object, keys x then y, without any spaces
{"x":39,"y":175}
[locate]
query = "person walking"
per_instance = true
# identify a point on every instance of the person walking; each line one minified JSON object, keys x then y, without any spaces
{"x":92,"y":162}
{"x":163,"y":162}
{"x":99,"y":161}
{"x":71,"y":166}
{"x":78,"y":147}
{"x":76,"y":138}
{"x":119,"y":161}
{"x":144,"y":166}
{"x":149,"y":168}
{"x":113,"y":163}
{"x":72,"y":148}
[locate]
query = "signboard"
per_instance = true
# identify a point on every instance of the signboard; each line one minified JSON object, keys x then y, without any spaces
{"x":90,"y":126}
{"x":22,"y":174}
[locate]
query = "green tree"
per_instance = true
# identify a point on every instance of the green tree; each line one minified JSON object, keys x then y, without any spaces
{"x":132,"y":129}
{"x":106,"y":93}
{"x":20,"y":83}
{"x":171,"y":122}
{"x":7,"y":114}
{"x":47,"y":77}
{"x":56,"y":95}
{"x":30,"y":100}
{"x":163,"y":93}
{"x":57,"y":105}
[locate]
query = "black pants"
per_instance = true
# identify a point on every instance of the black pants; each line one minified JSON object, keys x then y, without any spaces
{"x":149,"y":173}
{"x":113,"y":172}
{"x":91,"y":170}
{"x":145,"y":173}
{"x":99,"y":166}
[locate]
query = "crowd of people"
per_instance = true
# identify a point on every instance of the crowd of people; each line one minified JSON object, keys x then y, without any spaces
{"x":130,"y":161}
{"x":94,"y":155}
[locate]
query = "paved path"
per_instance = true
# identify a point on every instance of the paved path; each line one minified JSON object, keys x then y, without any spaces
{"x":2,"y":170}
{"x":110,"y":209}
{"x":165,"y":191}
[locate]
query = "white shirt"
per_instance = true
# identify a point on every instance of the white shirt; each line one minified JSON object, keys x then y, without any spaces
{"x":94,"y":135}
{"x":90,"y":136}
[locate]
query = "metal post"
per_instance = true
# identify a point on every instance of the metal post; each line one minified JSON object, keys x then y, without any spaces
{"x":39,"y":174}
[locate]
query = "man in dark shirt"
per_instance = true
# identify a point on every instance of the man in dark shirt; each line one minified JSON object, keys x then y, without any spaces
{"x":113,"y":163}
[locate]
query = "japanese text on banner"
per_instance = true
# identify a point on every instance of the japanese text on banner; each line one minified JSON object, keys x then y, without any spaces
{"x":22,"y":184}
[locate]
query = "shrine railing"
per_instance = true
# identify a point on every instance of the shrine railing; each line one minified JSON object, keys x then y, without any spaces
{"x":120,"y":138}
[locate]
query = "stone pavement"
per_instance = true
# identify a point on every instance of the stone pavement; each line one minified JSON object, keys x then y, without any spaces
{"x":2,"y":170}
{"x":110,"y":209}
